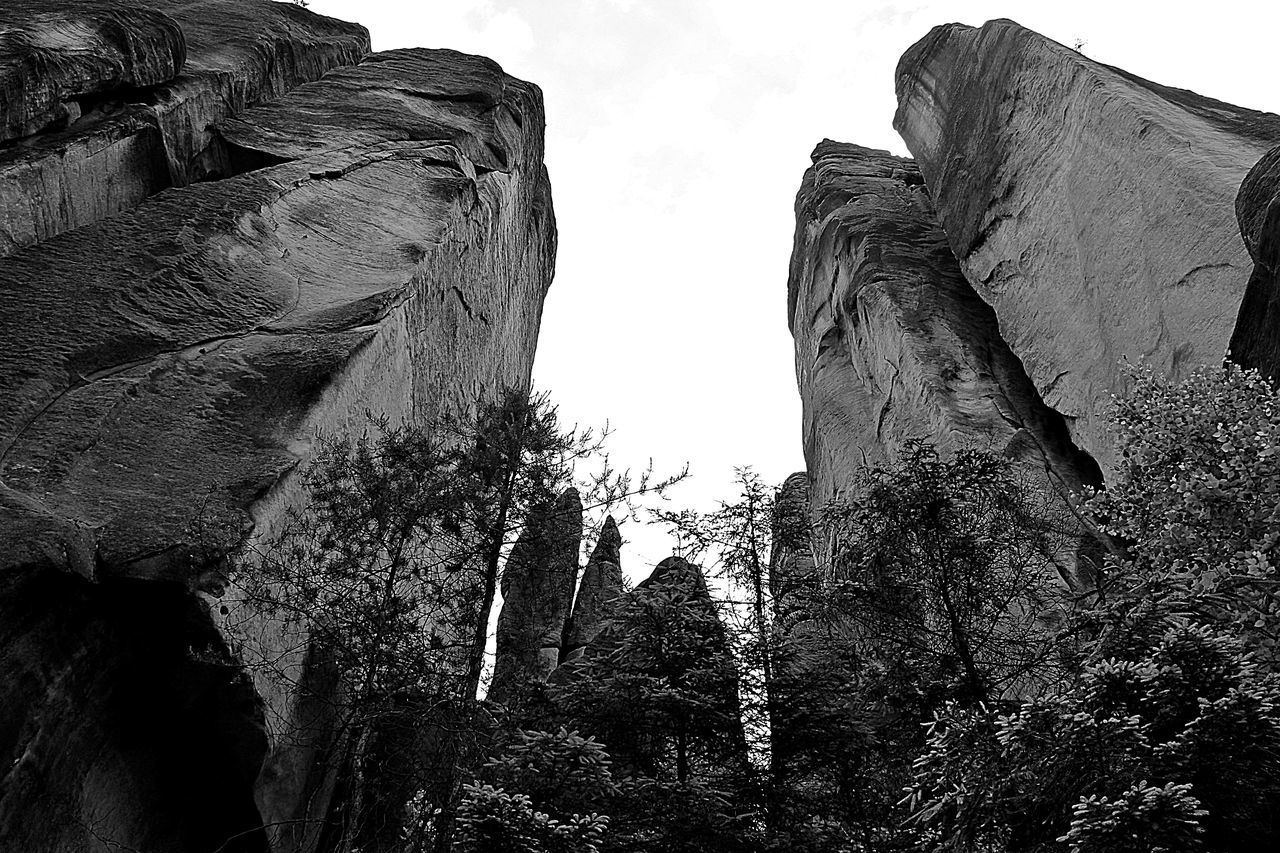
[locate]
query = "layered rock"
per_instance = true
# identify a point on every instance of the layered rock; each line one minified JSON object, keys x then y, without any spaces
{"x":1256,"y":340}
{"x":106,"y":103}
{"x":892,"y":343}
{"x":792,"y":568}
{"x":537,"y":597}
{"x":597,"y":599}
{"x":1090,"y":208}
{"x":164,"y":370}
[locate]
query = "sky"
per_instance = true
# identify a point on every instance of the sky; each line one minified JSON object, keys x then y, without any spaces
{"x":677,"y":135}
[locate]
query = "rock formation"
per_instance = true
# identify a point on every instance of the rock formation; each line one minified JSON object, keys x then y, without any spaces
{"x":1090,"y":208}
{"x":1256,"y":340}
{"x":792,"y":568}
{"x":598,"y":591}
{"x":108,"y":102}
{"x":892,"y":343}
{"x":537,"y":596}
{"x":169,"y":351}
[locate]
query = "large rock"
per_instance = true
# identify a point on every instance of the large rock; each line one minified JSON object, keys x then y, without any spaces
{"x":1256,"y":341}
{"x":892,"y":343}
{"x":59,"y":54}
{"x":162,"y":373}
{"x":793,"y":572}
{"x":1091,"y":208}
{"x":106,"y":103}
{"x":598,"y":591}
{"x":537,"y":597}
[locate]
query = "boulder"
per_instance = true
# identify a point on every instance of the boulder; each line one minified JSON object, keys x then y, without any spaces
{"x":1090,"y":208}
{"x":1256,"y":340}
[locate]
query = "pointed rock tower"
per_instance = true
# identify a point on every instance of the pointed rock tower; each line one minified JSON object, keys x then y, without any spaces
{"x":597,"y":593}
{"x":537,"y":597}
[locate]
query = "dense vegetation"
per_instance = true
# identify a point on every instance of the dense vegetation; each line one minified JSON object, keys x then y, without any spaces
{"x":970,"y":664}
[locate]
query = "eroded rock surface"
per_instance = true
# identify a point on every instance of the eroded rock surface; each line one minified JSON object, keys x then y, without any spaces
{"x":164,"y":370}
{"x":892,"y":343}
{"x":598,"y":591}
{"x":537,"y":597}
{"x":1256,"y":340}
{"x":106,"y":103}
{"x":792,"y":568}
{"x":1090,"y":208}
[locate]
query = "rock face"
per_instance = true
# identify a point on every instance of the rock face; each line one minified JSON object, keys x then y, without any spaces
{"x":537,"y":597}
{"x":106,"y":103}
{"x":596,"y":601}
{"x":792,"y":568}
{"x":164,"y":369}
{"x":892,"y":343}
{"x":1090,"y":208}
{"x":1256,"y":341}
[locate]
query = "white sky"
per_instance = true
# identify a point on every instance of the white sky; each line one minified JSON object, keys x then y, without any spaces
{"x":677,"y":134}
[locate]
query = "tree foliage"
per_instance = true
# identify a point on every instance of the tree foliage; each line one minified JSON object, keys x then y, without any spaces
{"x":1167,"y":736}
{"x":384,"y":582}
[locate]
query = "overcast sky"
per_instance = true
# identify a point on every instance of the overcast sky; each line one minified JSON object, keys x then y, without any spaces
{"x":677,"y":134}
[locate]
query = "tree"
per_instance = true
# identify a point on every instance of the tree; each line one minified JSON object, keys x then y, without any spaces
{"x":951,"y":567}
{"x":386,"y":580}
{"x":1167,"y":735}
{"x":1197,"y":497}
{"x":660,"y":688}
{"x":734,"y":544}
{"x":1175,"y":749}
{"x":541,"y":795}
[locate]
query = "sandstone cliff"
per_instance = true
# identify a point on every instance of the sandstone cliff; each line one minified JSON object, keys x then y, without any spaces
{"x":169,"y":353}
{"x":892,"y":343}
{"x":108,"y":102}
{"x":1090,"y":208}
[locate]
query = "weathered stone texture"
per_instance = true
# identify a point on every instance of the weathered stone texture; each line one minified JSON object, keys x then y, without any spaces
{"x":163,"y":371}
{"x":1092,"y":209}
{"x":891,"y":342}
{"x":537,"y":597}
{"x":57,"y":54}
{"x":104,"y":104}
{"x":598,"y":591}
{"x":792,"y":568}
{"x":1256,"y":340}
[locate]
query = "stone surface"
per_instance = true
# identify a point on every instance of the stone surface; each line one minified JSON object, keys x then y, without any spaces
{"x":892,"y":343}
{"x":596,"y":601}
{"x":1092,"y":209}
{"x":537,"y":597}
{"x":162,"y":373}
{"x":108,"y":111}
{"x":1256,"y":340}
{"x":57,"y":54}
{"x":792,"y":568}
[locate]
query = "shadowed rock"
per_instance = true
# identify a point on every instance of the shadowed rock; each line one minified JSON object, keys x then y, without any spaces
{"x":1091,"y":208}
{"x":1256,"y":341}
{"x":537,"y":596}
{"x":893,"y":344}
{"x":58,"y":54}
{"x":596,"y":601}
